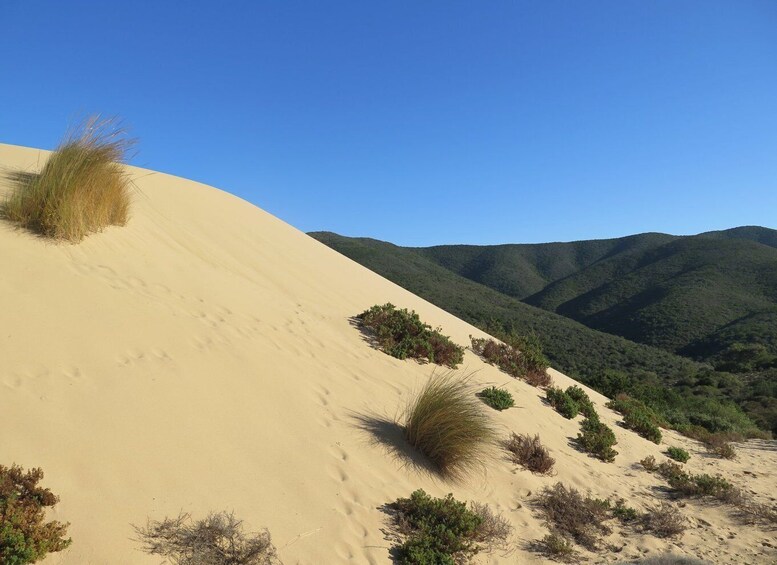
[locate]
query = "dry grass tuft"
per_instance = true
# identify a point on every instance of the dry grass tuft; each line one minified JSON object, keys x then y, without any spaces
{"x":663,"y":520}
{"x":558,"y":548}
{"x":216,"y":540}
{"x":529,"y":452}
{"x":81,"y":189}
{"x":447,"y":423}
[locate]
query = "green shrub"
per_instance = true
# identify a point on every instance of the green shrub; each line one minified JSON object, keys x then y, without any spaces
{"x":687,"y":484}
{"x":584,"y":403}
{"x":519,"y":357}
{"x":597,"y":439}
{"x":81,"y":189}
{"x":446,"y":422}
{"x":641,"y":423}
{"x":25,"y":537}
{"x":497,"y":398}
{"x":402,"y":334}
{"x":625,"y":514}
{"x":444,"y":530}
{"x":529,"y":452}
{"x":562,"y":402}
{"x":678,"y":454}
{"x":218,"y":539}
{"x":581,"y":518}
{"x":639,"y":417}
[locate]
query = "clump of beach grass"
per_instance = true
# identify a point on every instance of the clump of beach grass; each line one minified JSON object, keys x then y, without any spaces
{"x":81,"y":189}
{"x":446,"y":422}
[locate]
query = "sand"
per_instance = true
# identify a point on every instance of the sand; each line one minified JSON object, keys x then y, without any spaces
{"x":203,"y":358}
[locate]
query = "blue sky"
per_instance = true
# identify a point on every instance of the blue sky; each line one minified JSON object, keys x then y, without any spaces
{"x":424,"y":123}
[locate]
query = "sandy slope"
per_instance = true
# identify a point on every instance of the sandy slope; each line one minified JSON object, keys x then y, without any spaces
{"x":202,"y":358}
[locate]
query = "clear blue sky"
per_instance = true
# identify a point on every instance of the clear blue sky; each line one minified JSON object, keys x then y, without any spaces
{"x":424,"y":122}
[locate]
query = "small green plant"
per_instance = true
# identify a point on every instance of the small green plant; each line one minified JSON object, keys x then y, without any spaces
{"x":562,"y":402}
{"x":581,"y":518}
{"x":639,"y":417}
{"x":641,"y":423}
{"x":82,"y":187}
{"x":218,"y":539}
{"x":497,"y":398}
{"x":597,"y":438}
{"x":25,"y":536}
{"x":625,"y":514}
{"x":557,"y":547}
{"x":444,"y":530}
{"x":518,"y":356}
{"x":687,"y":484}
{"x":678,"y":454}
{"x":529,"y":452}
{"x":585,"y":406}
{"x":402,"y":334}
{"x":446,"y":422}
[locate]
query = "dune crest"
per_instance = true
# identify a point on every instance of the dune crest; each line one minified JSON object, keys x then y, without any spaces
{"x":203,"y":358}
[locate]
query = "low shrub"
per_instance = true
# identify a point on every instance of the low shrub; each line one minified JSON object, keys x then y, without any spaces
{"x":25,"y":536}
{"x":562,"y":402}
{"x":626,"y":514}
{"x":597,"y":438}
{"x":402,"y":334}
{"x":568,"y":512}
{"x":687,"y":484}
{"x":218,"y":539}
{"x":557,"y":547}
{"x":639,"y":417}
{"x":497,"y":398}
{"x":81,"y":189}
{"x":663,"y":520}
{"x":519,"y":357}
{"x":678,"y":454}
{"x":529,"y":452}
{"x":444,"y":530}
{"x":649,"y":463}
{"x":446,"y":422}
{"x":585,"y":406}
{"x":718,"y":444}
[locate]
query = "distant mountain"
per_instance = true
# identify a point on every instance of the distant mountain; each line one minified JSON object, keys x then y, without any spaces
{"x":648,"y":304}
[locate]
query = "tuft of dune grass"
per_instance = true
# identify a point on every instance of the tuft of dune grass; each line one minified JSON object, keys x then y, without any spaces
{"x":82,"y":188}
{"x":447,"y":423}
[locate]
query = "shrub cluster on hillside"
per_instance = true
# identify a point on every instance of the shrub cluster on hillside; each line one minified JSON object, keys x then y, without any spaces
{"x":25,"y":536}
{"x":81,"y":189}
{"x":447,"y":423}
{"x":218,"y":539}
{"x":402,"y":334}
{"x":638,"y":416}
{"x":562,"y":402}
{"x":529,"y":452}
{"x":445,"y":531}
{"x":497,"y":398}
{"x":597,"y":438}
{"x":678,"y":454}
{"x":518,"y":356}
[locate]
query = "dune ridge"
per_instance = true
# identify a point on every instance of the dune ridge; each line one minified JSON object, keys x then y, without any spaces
{"x":203,"y":358}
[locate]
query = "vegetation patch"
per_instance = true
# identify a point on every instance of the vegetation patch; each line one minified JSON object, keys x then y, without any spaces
{"x":518,"y":356}
{"x":529,"y":452}
{"x":497,"y":398}
{"x":446,"y":422}
{"x":570,"y":513}
{"x":597,"y":438}
{"x":402,"y":334}
{"x":663,"y":521}
{"x":557,"y":547}
{"x":445,"y":531}
{"x":25,"y":536}
{"x":704,"y":485}
{"x":562,"y":402}
{"x":584,"y":404}
{"x":82,"y":188}
{"x":638,"y":416}
{"x":678,"y":454}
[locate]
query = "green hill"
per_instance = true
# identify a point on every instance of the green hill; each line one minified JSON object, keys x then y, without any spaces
{"x":658,"y":308}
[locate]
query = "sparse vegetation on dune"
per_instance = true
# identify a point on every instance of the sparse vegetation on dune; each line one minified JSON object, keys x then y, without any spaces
{"x":562,"y":402}
{"x":529,"y":452}
{"x":570,"y":513}
{"x":447,"y":423}
{"x":401,"y":334}
{"x":597,"y":438}
{"x":82,"y":188}
{"x":497,"y":398}
{"x":557,"y":547}
{"x":218,"y":539}
{"x":638,"y":416}
{"x":25,"y":536}
{"x":518,"y":356}
{"x":445,"y":531}
{"x":678,"y":454}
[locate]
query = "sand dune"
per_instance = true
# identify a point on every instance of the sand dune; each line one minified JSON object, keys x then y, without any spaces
{"x":203,"y":358}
